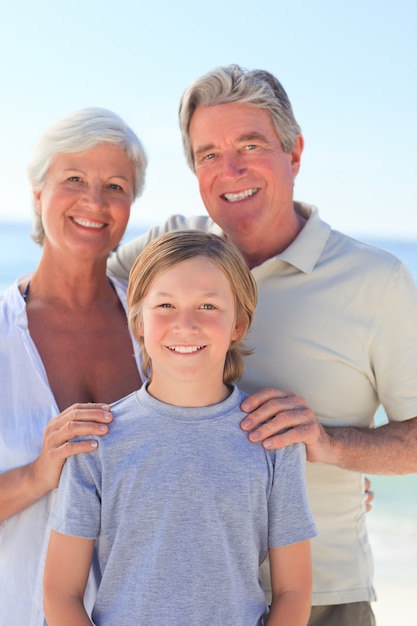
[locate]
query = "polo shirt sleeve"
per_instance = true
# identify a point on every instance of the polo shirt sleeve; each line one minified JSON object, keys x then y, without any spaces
{"x":394,"y":347}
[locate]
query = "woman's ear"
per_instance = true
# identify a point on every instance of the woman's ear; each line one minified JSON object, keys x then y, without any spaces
{"x":37,"y":199}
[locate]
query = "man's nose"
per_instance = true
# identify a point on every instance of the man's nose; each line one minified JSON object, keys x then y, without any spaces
{"x":232,"y":165}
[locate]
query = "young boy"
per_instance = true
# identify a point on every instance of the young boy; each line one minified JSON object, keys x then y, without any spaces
{"x":183,"y":507}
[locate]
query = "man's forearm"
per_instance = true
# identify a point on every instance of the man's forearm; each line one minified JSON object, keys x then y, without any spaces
{"x":390,"y":449}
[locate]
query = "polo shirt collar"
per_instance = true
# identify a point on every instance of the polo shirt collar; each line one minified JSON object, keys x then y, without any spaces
{"x":307,"y":248}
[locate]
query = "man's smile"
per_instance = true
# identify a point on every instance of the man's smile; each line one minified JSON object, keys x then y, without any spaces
{"x":235,"y":197}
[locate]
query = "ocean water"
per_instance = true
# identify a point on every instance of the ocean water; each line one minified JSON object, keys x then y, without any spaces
{"x":393,"y":520}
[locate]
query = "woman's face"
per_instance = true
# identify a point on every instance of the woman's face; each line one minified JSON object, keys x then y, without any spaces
{"x":85,"y":202}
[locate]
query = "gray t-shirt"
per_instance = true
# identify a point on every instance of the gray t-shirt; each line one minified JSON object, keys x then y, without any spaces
{"x":183,"y":508}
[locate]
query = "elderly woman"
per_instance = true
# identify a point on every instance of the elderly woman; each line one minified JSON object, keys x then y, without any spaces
{"x":63,"y":335}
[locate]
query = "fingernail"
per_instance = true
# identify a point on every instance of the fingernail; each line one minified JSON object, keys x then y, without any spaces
{"x":103,"y":427}
{"x":246,"y":423}
{"x":105,"y":407}
{"x":93,"y":444}
{"x":107,"y":416}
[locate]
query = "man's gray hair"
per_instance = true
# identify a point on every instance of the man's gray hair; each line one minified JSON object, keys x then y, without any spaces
{"x":80,"y":131}
{"x":234,"y":84}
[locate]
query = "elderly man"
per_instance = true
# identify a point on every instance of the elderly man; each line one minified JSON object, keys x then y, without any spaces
{"x":335,"y":323}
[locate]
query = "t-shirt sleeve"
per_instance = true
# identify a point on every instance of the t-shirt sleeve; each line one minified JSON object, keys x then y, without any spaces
{"x":290,"y":518}
{"x":120,"y":262}
{"x":77,"y":507}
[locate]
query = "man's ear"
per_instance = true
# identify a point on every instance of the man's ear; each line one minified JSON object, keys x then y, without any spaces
{"x":296,"y":155}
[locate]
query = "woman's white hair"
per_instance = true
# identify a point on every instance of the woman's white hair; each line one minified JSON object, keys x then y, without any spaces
{"x":80,"y":131}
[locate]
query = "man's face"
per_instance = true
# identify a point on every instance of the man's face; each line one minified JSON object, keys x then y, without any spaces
{"x":246,"y":179}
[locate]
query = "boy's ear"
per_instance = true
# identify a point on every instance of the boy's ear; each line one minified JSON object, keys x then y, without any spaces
{"x":139,"y":326}
{"x":237,"y":331}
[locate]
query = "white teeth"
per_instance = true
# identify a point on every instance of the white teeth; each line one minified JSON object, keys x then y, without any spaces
{"x":185,"y":349}
{"x":235,"y":197}
{"x":84,"y":222}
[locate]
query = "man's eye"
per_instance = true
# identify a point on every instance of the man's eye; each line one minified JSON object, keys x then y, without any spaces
{"x":251,"y":146}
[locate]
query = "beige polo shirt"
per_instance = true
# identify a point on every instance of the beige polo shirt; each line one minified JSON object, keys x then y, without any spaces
{"x":336,"y":323}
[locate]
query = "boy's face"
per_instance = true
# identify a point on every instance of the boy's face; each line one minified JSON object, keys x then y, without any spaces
{"x":188,"y":322}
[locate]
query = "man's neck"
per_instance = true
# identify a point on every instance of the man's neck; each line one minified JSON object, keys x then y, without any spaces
{"x":256,"y":251}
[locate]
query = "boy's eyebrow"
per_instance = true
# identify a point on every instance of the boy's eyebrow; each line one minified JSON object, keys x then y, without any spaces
{"x":205,"y":294}
{"x":251,"y":136}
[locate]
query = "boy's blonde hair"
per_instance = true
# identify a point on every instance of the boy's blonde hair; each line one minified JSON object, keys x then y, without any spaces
{"x":162,"y":254}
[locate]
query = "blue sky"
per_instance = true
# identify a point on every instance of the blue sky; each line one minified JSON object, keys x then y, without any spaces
{"x":349,"y":69}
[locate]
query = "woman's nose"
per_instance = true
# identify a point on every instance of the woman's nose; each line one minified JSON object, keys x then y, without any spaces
{"x":94,"y":196}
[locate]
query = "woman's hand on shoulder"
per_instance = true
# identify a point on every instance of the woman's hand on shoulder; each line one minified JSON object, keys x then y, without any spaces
{"x":78,"y":420}
{"x":23,"y":486}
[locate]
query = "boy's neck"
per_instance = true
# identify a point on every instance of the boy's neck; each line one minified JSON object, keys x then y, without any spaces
{"x":188,"y":394}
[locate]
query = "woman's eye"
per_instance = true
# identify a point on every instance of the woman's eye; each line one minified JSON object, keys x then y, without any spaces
{"x":74,"y":179}
{"x":115,"y":187}
{"x":208,"y":306}
{"x":165,"y":305}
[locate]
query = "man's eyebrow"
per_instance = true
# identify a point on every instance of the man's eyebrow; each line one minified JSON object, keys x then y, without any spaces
{"x":251,"y":136}
{"x":203,"y":149}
